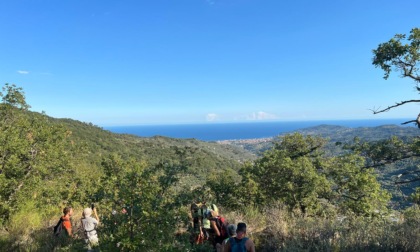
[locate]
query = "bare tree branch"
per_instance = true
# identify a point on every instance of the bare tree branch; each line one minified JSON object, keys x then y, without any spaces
{"x":390,"y":161}
{"x":396,"y":105}
{"x":407,"y":181}
{"x":408,"y":69}
{"x":301,"y":154}
{"x":416,"y":78}
{"x":352,"y":198}
{"x":412,"y":121}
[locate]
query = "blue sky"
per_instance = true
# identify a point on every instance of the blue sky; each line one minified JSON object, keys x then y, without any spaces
{"x":196,"y":61}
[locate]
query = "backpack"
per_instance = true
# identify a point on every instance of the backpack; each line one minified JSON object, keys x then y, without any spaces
{"x":196,"y":214}
{"x":206,"y":216}
{"x":222,"y":225}
{"x":238,"y":246}
{"x":87,"y":221}
{"x":58,"y":228}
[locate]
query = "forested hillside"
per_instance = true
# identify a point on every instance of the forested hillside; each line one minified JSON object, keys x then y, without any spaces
{"x":298,"y":194}
{"x":48,"y":163}
{"x":200,"y":157}
{"x":335,"y":134}
{"x":339,"y":137}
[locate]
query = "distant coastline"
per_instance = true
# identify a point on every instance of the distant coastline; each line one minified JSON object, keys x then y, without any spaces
{"x":246,"y":141}
{"x":240,"y":131}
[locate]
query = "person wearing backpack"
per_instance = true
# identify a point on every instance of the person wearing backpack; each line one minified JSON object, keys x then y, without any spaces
{"x":207,"y":216}
{"x":197,"y":226}
{"x":65,"y":220}
{"x":219,"y":228}
{"x":231,"y":233}
{"x":89,"y":225}
{"x":240,"y":243}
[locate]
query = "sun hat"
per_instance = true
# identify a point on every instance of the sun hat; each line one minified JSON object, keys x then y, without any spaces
{"x":213,"y":214}
{"x":87,"y":212}
{"x":214,"y":208}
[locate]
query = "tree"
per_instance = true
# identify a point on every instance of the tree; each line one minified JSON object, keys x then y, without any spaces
{"x":415,"y":197}
{"x":224,"y":186}
{"x":288,"y":173}
{"x":400,"y":54}
{"x":139,"y":204}
{"x":34,"y":159}
{"x":296,"y":172}
{"x":394,"y":151}
{"x":14,"y":96}
{"x":355,"y":187}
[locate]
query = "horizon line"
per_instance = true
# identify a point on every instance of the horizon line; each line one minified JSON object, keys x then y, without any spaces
{"x":251,"y":121}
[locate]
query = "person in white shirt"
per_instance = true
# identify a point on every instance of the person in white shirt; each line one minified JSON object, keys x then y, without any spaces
{"x":89,"y":225}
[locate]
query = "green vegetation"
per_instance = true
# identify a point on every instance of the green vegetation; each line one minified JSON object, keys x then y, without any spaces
{"x":304,"y":192}
{"x":326,"y":188}
{"x":401,"y":165}
{"x":48,"y":163}
{"x":400,"y":54}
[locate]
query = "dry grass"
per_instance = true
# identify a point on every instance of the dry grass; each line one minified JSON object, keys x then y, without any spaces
{"x":272,"y":229}
{"x":276,"y":229}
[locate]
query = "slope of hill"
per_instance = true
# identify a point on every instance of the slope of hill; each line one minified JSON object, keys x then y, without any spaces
{"x":334,"y":133}
{"x":387,"y":174}
{"x":201,"y":157}
{"x":342,"y":134}
{"x":46,"y":151}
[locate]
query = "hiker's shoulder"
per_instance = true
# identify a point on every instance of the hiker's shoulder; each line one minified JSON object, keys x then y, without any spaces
{"x":249,"y":243}
{"x":90,"y":219}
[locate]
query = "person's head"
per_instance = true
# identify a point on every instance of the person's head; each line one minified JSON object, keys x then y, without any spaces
{"x":200,"y":200}
{"x":215,"y":210}
{"x":87,"y":212}
{"x":241,"y":229}
{"x":68,"y":211}
{"x":194,"y":207}
{"x":212,"y":214}
{"x":231,"y":230}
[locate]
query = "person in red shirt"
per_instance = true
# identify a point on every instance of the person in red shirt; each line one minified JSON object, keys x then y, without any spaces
{"x":68,"y":212}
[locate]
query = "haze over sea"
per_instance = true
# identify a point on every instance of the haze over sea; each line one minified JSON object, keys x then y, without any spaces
{"x":245,"y":130}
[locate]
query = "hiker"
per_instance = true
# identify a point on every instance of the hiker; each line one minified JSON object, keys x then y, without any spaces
{"x":219,"y":227}
{"x":197,"y":236}
{"x":207,"y":230}
{"x":65,"y":220}
{"x":89,"y":225}
{"x":231,"y":233}
{"x":240,"y":243}
{"x":201,"y":223}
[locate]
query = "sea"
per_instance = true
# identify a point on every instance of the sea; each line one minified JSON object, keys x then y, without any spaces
{"x":238,"y":131}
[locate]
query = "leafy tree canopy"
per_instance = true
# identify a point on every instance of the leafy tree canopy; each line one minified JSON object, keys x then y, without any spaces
{"x":400,"y":54}
{"x":296,"y":172}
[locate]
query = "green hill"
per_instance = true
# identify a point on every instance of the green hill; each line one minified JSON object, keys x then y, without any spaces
{"x":201,"y":157}
{"x":339,"y":135}
{"x":48,"y":163}
{"x":334,"y":133}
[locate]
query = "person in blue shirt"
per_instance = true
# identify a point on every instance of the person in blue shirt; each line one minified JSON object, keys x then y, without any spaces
{"x":240,"y":243}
